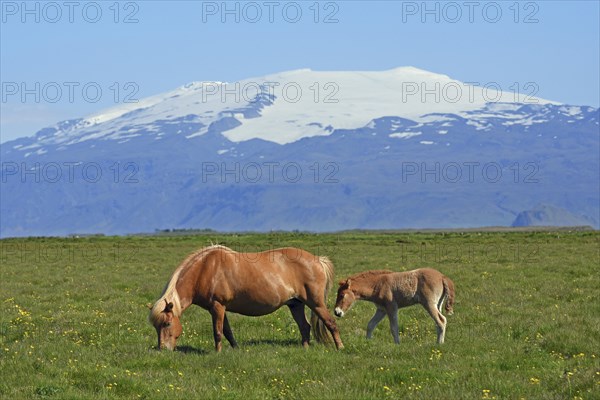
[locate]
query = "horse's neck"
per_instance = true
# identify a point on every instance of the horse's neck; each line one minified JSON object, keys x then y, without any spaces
{"x":364,"y":291}
{"x":185,"y":296}
{"x":376,"y":289}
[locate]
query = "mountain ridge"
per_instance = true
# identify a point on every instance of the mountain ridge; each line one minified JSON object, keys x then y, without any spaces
{"x":404,"y":91}
{"x":173,"y":168}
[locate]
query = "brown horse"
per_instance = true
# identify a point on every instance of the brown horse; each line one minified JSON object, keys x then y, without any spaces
{"x":393,"y":290}
{"x":219,"y":279}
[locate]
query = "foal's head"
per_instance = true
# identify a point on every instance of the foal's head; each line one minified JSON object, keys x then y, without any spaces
{"x":345,"y":298}
{"x":167,"y":325}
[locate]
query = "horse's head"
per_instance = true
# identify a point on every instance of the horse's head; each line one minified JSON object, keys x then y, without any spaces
{"x":345,"y":298}
{"x":167,"y":325}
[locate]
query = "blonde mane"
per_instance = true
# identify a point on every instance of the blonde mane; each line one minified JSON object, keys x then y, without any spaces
{"x":169,"y":294}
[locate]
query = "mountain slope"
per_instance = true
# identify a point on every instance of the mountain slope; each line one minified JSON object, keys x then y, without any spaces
{"x":382,"y":156}
{"x":545,"y":215}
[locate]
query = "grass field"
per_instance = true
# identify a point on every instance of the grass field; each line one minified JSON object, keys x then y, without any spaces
{"x":526,"y":323}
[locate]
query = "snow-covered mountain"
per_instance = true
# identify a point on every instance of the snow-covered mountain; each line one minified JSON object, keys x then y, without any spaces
{"x":306,"y":150}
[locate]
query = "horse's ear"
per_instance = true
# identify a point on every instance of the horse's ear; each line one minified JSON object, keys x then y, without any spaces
{"x":345,"y":283}
{"x":168,"y":307}
{"x":342,"y":283}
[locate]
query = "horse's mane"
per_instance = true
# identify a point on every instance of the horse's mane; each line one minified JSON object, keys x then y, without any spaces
{"x":169,"y":293}
{"x":370,"y":273}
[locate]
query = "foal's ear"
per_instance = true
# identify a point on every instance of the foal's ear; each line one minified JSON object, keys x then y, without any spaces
{"x":345,"y":283}
{"x":168,"y":307}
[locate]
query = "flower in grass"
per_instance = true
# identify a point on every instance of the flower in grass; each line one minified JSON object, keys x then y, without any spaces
{"x":414,"y":387}
{"x":534,"y":381}
{"x":485,"y":393}
{"x":435,"y":354}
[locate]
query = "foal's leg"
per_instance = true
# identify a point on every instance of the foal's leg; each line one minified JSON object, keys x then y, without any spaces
{"x":228,"y":332}
{"x":392,"y":313}
{"x":379,"y":315}
{"x":297,"y":309}
{"x":439,"y":319}
{"x":443,"y":298}
{"x":218,"y":316}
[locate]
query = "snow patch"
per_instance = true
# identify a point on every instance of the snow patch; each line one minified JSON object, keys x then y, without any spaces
{"x":478,"y":125}
{"x":405,"y":135}
{"x":572,"y":110}
{"x":199,"y":133}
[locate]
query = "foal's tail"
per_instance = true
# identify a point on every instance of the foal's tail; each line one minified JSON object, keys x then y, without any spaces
{"x":318,"y":326}
{"x":449,"y":292}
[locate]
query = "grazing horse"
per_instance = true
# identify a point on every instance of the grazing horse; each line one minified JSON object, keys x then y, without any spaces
{"x":393,"y":290}
{"x":219,"y":279}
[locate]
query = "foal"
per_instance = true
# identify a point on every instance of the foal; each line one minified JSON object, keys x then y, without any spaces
{"x":393,"y":290}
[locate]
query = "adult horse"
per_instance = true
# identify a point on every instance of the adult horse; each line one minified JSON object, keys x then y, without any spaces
{"x":219,"y":279}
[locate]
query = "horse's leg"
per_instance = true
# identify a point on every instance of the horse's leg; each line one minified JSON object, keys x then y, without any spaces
{"x":297,"y":309}
{"x":443,"y":297}
{"x":323,"y":313}
{"x":439,"y":319}
{"x":218,"y":316}
{"x":392,"y":313}
{"x":228,"y":332}
{"x":379,"y":315}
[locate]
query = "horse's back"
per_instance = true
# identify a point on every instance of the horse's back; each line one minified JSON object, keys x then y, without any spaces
{"x":226,"y":261}
{"x":256,"y":283}
{"x":403,"y":286}
{"x":295,"y":255}
{"x":289,"y":256}
{"x":411,"y":287}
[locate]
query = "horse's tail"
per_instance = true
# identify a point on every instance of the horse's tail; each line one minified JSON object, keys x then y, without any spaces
{"x":449,"y":292}
{"x":318,"y":326}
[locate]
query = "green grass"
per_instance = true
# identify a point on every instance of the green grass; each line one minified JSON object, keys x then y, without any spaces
{"x":526,"y":323}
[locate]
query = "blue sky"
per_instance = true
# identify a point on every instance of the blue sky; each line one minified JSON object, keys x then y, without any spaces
{"x":167,"y":44}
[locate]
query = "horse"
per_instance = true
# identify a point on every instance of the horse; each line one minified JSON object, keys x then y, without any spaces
{"x":220,"y":279}
{"x":391,"y":290}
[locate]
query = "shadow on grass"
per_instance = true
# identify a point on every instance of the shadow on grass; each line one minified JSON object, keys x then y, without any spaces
{"x":191,"y":350}
{"x":250,"y":343}
{"x":272,"y":342}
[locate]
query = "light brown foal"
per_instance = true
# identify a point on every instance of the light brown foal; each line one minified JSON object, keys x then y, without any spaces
{"x":393,"y":290}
